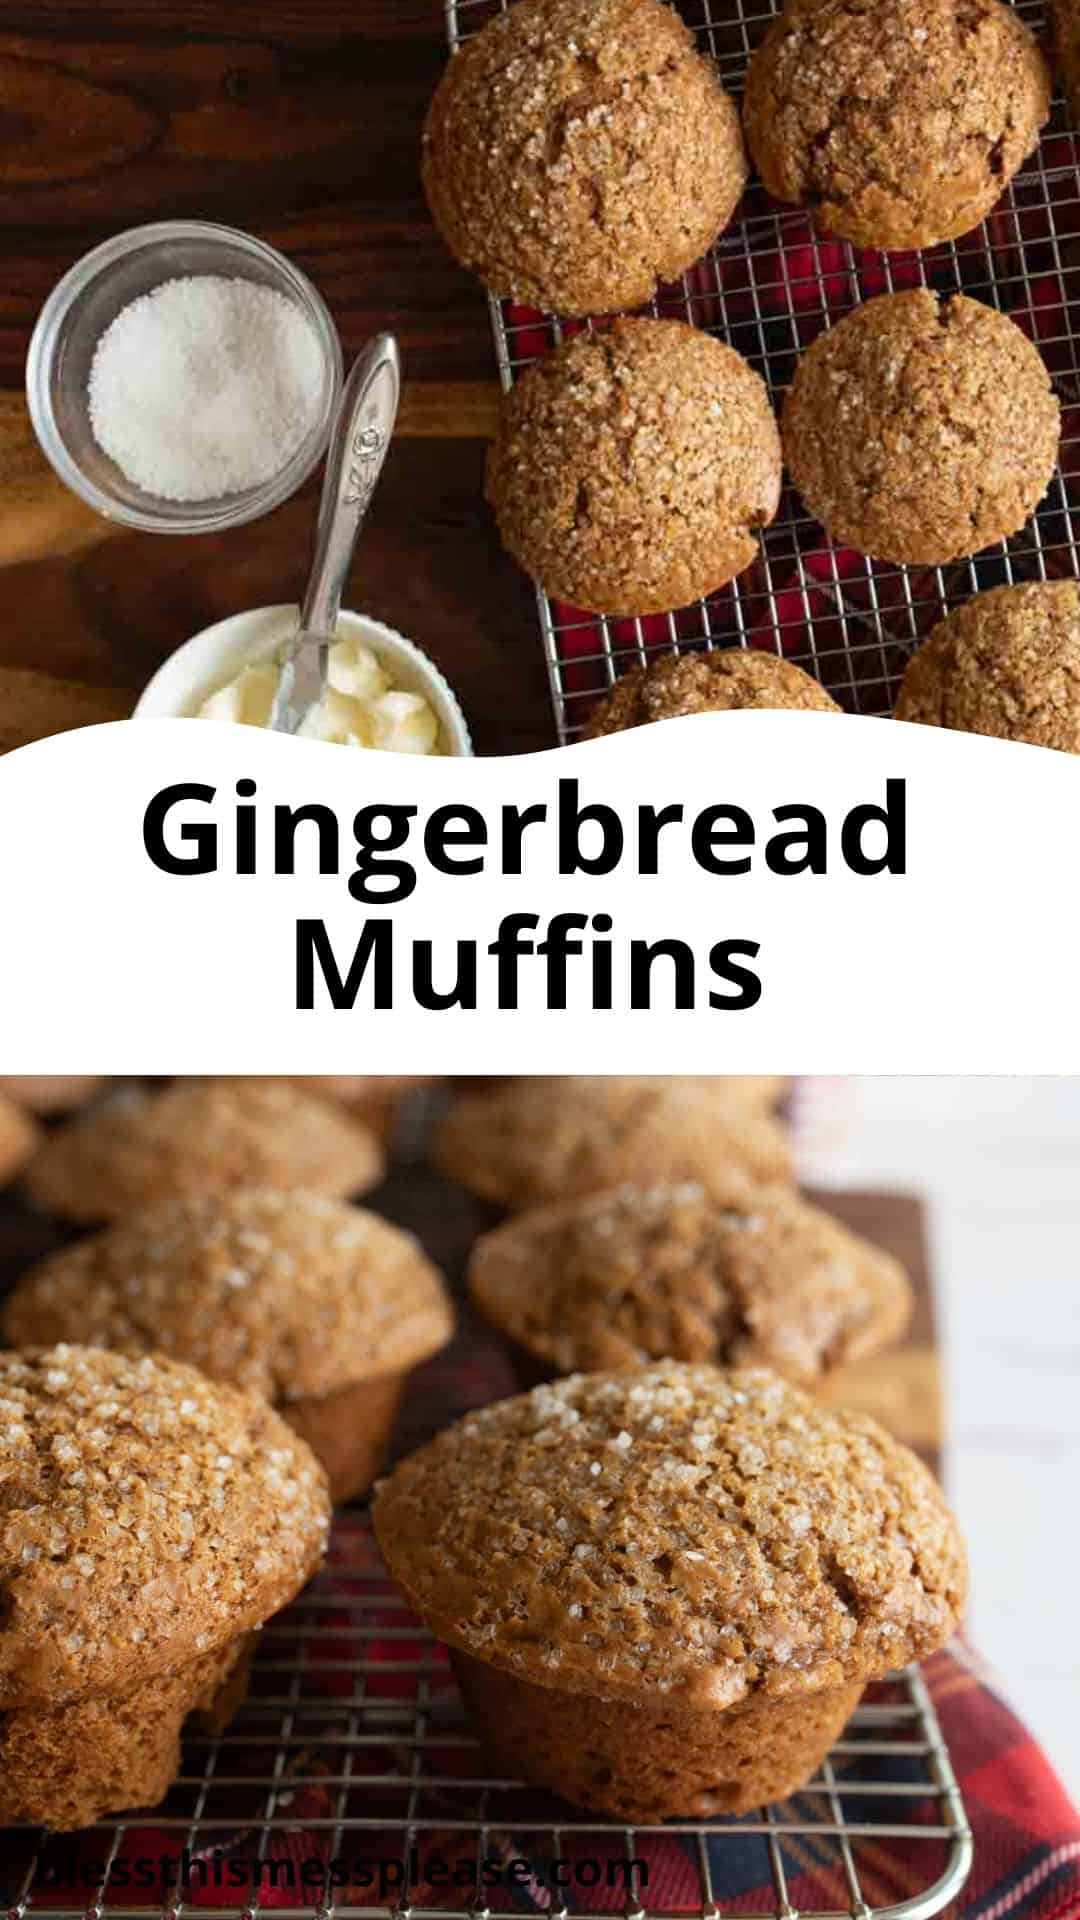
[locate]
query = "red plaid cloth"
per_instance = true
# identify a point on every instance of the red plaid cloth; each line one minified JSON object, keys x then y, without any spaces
{"x":1026,"y":1832}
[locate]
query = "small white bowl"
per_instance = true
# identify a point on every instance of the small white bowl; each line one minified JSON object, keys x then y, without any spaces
{"x":212,"y":658}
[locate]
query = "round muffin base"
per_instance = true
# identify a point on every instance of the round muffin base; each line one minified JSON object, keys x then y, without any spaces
{"x":649,"y":1763}
{"x":348,"y":1431}
{"x":65,"y":1767}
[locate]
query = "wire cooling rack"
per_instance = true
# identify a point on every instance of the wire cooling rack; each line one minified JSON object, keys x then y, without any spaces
{"x":352,"y":1748}
{"x":768,"y":287}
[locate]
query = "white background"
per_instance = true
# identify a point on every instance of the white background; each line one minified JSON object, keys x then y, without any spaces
{"x":998,"y":1162}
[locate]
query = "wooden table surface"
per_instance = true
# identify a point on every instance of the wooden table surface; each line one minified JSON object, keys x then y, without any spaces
{"x":299,"y":121}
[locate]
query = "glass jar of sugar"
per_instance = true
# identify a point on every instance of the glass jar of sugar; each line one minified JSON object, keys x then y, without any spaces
{"x":165,"y":305}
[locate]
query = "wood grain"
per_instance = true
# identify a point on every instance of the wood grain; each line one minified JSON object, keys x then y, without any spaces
{"x":300,"y":123}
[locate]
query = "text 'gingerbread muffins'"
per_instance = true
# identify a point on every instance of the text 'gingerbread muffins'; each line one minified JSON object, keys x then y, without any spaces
{"x":319,"y":1306}
{"x":579,"y":151}
{"x":200,"y":1136}
{"x":732,"y":680}
{"x":920,"y":431}
{"x":534,"y":1140}
{"x":149,"y":1522}
{"x":664,"y":1591}
{"x":898,"y":123}
{"x":633,"y":467}
{"x":1006,"y":663}
{"x":665,"y":1271}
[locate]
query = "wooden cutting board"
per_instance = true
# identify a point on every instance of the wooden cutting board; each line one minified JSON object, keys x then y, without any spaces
{"x":902,"y":1388}
{"x":299,"y":123}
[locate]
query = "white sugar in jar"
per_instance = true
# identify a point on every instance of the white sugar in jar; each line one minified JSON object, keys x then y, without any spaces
{"x":205,"y":386}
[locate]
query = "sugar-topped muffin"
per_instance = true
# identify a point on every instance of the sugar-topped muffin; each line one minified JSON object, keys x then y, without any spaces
{"x":666,"y":1270}
{"x":664,"y":1590}
{"x":920,"y":430}
{"x":151,"y":1522}
{"x":19,"y":1139}
{"x":898,"y":123}
{"x":199,"y":1136}
{"x":49,"y":1093}
{"x":579,"y":151}
{"x":1006,"y":663}
{"x":321,"y":1307}
{"x":730,"y":680}
{"x":533,"y":1140}
{"x":634,"y":467}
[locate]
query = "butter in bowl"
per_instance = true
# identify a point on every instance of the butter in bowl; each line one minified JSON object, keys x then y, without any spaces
{"x":382,"y":691}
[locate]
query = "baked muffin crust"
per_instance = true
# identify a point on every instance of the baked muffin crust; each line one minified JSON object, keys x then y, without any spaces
{"x":554,"y":1138}
{"x":577,"y":152}
{"x":678,"y":1531}
{"x":146,"y":1516}
{"x":49,"y":1092}
{"x":633,"y":467}
{"x":19,"y":1139}
{"x":201,"y":1136}
{"x":290,"y":1294}
{"x":734,"y":678}
{"x":1006,"y":663}
{"x":899,"y":123}
{"x":919,"y":431}
{"x":665,"y":1271}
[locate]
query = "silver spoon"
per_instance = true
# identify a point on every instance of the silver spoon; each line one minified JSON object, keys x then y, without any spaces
{"x":362,"y":430}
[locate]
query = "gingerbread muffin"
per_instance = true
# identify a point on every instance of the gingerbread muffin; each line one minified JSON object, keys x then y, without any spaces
{"x":675,"y":684}
{"x":898,"y":123}
{"x":666,"y":1271}
{"x":632,"y":468}
{"x":378,"y":1099}
{"x":537,"y":1140}
{"x":49,"y":1093}
{"x":1065,"y":20}
{"x":319,"y":1306}
{"x":1006,"y":663}
{"x":151,"y":1521}
{"x":199,"y":1137}
{"x":578,"y":152}
{"x":663,"y":1591}
{"x":19,"y":1140}
{"x":921,"y":431}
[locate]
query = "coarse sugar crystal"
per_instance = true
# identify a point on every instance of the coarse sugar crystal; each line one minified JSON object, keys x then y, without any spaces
{"x":205,"y":386}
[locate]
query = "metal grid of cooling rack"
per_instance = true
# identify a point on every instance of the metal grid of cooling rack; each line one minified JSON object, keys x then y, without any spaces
{"x":768,"y":287}
{"x":352,"y":1747}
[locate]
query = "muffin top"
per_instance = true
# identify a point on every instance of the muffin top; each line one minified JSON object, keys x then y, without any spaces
{"x":200,"y":1136}
{"x":146,"y":1516}
{"x":898,"y":122}
{"x":50,"y":1092}
{"x":578,"y":151}
{"x":551,"y":1139}
{"x":668,"y":1271}
{"x":678,"y":1529}
{"x":919,"y":431}
{"x":19,"y":1139}
{"x":734,"y":678}
{"x":1005,"y":663}
{"x":291,"y":1294}
{"x":632,"y":467}
{"x":361,"y":1089}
